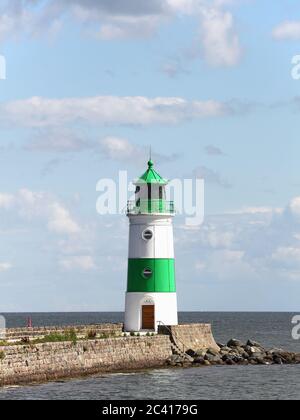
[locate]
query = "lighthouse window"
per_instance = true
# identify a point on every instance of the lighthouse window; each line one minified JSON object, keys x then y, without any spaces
{"x":147,"y":273}
{"x":160,"y":193}
{"x":147,"y":235}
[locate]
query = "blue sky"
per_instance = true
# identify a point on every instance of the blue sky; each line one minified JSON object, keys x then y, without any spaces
{"x":90,"y":86}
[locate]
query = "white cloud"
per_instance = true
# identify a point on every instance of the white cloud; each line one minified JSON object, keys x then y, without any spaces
{"x":60,"y":220}
{"x":217,"y":239}
{"x":287,"y":30}
{"x":220,"y":43}
{"x":122,"y":150}
{"x":218,"y":39}
{"x":117,"y":19}
{"x":294,"y":206}
{"x":117,"y":148}
{"x":5,"y":266}
{"x":57,"y":140}
{"x":40,"y":206}
{"x":287,"y":256}
{"x":254,"y":243}
{"x":83,"y":262}
{"x":40,"y":112}
{"x":257,"y":210}
{"x":62,"y":141}
{"x":6,"y":201}
{"x":129,"y":27}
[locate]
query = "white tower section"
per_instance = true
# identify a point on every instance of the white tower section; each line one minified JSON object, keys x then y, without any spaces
{"x":151,"y":290}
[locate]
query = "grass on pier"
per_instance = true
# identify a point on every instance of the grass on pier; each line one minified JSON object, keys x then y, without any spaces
{"x":68,"y":336}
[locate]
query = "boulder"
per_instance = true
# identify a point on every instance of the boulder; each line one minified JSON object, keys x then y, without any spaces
{"x":260,"y":361}
{"x":226,"y":349}
{"x":234,"y":354}
{"x":269,"y":357}
{"x":199,"y":360}
{"x":174,"y":358}
{"x":297,"y":358}
{"x":200,"y":353}
{"x":277,"y":356}
{"x":288,"y":357}
{"x":238,"y":359}
{"x":213,"y":352}
{"x":191,"y":353}
{"x":248,"y":349}
{"x":234,"y":343}
{"x":221,"y":345}
{"x":212,"y":359}
{"x":252,"y":343}
{"x":253,"y":350}
{"x":186,"y":364}
{"x":259,"y":355}
{"x":272,"y":351}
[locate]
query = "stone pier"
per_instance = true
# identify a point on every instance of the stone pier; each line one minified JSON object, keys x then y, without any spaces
{"x":24,"y":359}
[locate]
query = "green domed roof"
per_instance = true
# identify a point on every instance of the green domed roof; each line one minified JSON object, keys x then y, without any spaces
{"x":151,"y":176}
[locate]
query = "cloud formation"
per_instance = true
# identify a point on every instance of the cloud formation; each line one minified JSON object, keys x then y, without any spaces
{"x":33,"y":206}
{"x":251,"y":243}
{"x":220,"y":42}
{"x":5,"y":266}
{"x":117,"y":19}
{"x":289,"y":30}
{"x":38,"y":112}
{"x":75,"y":263}
{"x":122,"y":150}
{"x":57,"y":140}
{"x":66,"y":141}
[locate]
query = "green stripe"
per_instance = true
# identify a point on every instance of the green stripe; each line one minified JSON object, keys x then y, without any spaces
{"x":162,"y":279}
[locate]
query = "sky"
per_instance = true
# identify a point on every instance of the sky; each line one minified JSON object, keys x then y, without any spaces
{"x":90,"y":86}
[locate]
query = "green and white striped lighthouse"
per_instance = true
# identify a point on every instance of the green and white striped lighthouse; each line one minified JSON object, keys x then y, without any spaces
{"x":151,"y":288}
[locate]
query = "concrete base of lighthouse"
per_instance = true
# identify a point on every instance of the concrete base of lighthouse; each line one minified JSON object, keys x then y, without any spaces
{"x":163,"y":305}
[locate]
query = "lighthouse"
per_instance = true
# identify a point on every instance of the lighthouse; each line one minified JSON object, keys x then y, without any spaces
{"x":151,"y":288}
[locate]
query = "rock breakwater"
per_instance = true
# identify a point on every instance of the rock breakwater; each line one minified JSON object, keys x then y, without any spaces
{"x":233,"y":353}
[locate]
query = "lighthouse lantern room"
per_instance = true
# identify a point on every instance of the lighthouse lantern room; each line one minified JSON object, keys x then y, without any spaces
{"x":151,"y":290}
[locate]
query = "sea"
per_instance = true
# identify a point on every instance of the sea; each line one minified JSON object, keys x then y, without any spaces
{"x":213,"y":383}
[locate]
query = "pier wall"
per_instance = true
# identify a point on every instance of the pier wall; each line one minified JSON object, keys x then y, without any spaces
{"x":32,"y":362}
{"x":52,"y":361}
{"x":191,"y":336}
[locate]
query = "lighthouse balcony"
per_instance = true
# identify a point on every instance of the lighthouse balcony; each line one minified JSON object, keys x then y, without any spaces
{"x":144,"y":207}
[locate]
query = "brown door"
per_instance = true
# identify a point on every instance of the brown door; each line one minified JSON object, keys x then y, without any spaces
{"x":148,"y":317}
